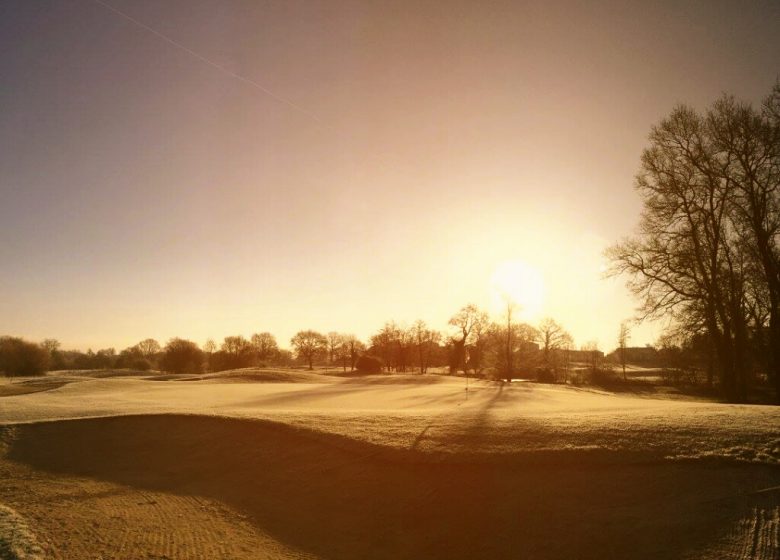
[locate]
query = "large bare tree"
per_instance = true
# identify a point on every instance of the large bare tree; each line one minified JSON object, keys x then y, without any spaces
{"x":706,"y":252}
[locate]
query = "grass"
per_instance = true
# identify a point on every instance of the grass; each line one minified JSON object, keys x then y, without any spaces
{"x":292,"y":464}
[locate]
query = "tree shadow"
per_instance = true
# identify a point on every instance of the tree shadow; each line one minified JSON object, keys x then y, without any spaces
{"x":338,"y":498}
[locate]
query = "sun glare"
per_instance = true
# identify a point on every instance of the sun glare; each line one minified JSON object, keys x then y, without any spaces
{"x":520,"y":283}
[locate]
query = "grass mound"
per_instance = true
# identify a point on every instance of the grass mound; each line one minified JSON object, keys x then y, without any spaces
{"x":335,"y":497}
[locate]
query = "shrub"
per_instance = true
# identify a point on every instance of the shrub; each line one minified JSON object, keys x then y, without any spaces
{"x":141,"y":364}
{"x":368,"y":364}
{"x":545,"y":375}
{"x":19,"y":357}
{"x":602,"y":375}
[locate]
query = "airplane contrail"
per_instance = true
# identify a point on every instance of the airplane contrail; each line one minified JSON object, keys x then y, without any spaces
{"x":210,"y":62}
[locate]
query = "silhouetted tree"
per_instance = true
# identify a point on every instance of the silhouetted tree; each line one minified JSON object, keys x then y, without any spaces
{"x":149,"y":348}
{"x":623,"y":335}
{"x":309,"y":345}
{"x":19,"y":357}
{"x":353,"y":348}
{"x":50,"y":345}
{"x":181,"y":356}
{"x":334,"y":343}
{"x":385,"y":344}
{"x":105,"y":358}
{"x":694,"y":255}
{"x":551,"y":336}
{"x":56,"y":359}
{"x":425,"y":341}
{"x":265,"y":347}
{"x":235,"y":352}
{"x":464,"y":322}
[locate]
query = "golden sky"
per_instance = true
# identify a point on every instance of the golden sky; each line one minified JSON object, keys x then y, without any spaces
{"x":204,"y":169}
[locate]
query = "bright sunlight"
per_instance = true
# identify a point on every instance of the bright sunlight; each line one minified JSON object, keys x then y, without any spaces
{"x":522,"y":284}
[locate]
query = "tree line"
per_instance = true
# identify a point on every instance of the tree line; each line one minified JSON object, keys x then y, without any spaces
{"x":706,"y":252}
{"x":473,"y":345}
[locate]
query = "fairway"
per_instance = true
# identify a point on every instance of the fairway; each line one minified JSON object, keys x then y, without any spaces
{"x":288,"y":464}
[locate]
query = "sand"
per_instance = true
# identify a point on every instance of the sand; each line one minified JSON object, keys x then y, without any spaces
{"x":257,"y":465}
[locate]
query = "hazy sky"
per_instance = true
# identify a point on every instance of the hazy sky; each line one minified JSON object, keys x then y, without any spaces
{"x":145,"y":192}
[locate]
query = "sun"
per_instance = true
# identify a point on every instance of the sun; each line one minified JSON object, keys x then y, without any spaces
{"x":520,"y":283}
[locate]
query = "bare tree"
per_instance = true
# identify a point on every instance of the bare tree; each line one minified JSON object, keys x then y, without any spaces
{"x":567,"y":345}
{"x":509,"y":347}
{"x":552,"y":337}
{"x":425,"y":340}
{"x":237,"y":352}
{"x":51,"y":345}
{"x":747,"y":143}
{"x":265,"y":346}
{"x":623,"y":336}
{"x":309,"y":345}
{"x":385,"y":343}
{"x":464,"y":322}
{"x":594,"y":356}
{"x":352,"y":348}
{"x":685,"y":262}
{"x":148,"y":348}
{"x":335,"y":341}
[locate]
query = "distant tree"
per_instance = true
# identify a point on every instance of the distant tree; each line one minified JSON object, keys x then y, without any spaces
{"x":564,"y":353}
{"x":342,"y":354}
{"x":309,"y":345}
{"x":551,"y":336}
{"x":623,"y":336}
{"x":353,"y":348}
{"x":463,"y":322}
{"x":131,"y":358}
{"x":105,"y":358}
{"x":599,"y":369}
{"x":209,"y":347}
{"x":181,"y":356}
{"x":404,"y":348}
{"x":56,"y":359}
{"x":509,"y":343}
{"x":385,"y":343}
{"x":235,"y":352}
{"x":334,"y":342}
{"x":284,"y":357}
{"x":19,"y":357}
{"x":425,"y":341}
{"x":265,"y":347}
{"x":51,"y":345}
{"x":84,"y":360}
{"x":149,"y":348}
{"x":512,"y":353}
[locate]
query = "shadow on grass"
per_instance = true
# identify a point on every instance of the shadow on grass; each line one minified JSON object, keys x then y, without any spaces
{"x":338,"y":498}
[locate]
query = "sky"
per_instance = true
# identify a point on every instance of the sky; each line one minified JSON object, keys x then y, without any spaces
{"x":203,"y":169}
